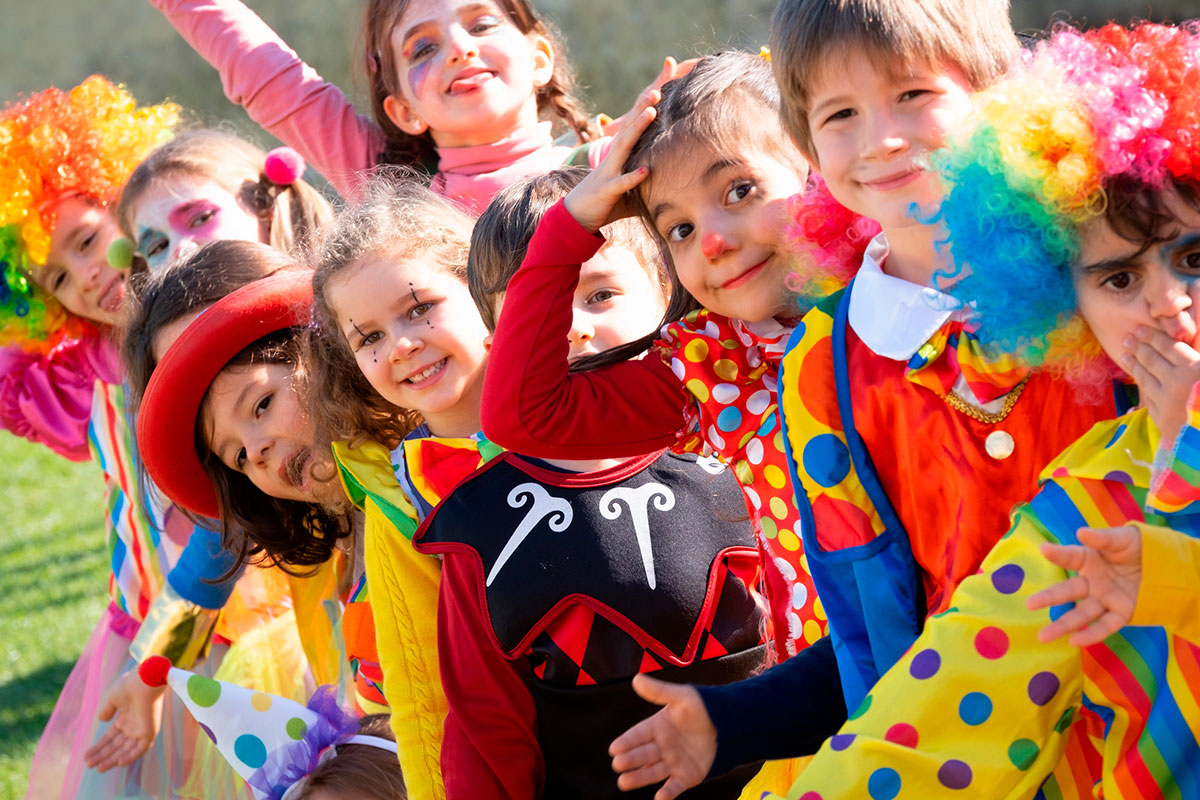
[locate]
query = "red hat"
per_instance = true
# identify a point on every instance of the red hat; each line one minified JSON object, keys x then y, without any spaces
{"x":167,"y":416}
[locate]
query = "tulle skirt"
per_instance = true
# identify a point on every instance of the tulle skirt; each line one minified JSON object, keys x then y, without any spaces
{"x":182,"y":763}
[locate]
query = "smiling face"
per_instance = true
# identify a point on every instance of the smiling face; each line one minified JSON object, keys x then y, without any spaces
{"x":77,"y":271}
{"x":1119,"y":288}
{"x":616,"y":301}
{"x":179,"y":213}
{"x":255,"y":423}
{"x":417,"y":338}
{"x":466,"y":73}
{"x":722,"y":217}
{"x":873,"y":133}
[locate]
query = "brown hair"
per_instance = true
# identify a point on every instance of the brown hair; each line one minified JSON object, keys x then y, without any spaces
{"x":399,"y":219}
{"x":808,"y":35}
{"x":291,"y":213}
{"x":360,"y":770}
{"x":708,"y":107}
{"x":556,"y":98}
{"x":287,"y":532}
{"x":503,"y":231}
{"x":1139,"y":213}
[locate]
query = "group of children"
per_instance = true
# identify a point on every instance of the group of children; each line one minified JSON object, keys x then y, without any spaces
{"x":814,"y":400}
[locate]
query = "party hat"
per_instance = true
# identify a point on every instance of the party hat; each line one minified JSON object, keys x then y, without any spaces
{"x":271,"y":741}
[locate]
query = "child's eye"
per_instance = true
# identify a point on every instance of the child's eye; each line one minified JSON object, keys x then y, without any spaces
{"x":738,"y":192}
{"x":239,"y":458}
{"x":420,"y":310}
{"x":86,"y":243}
{"x":421,"y":48}
{"x":845,"y":113}
{"x":154,"y":247}
{"x":201,"y":218}
{"x":262,"y":405}
{"x":1120,"y":280}
{"x":913,"y":94}
{"x":601,"y":296}
{"x":1190,"y":261}
{"x":677,"y":233}
{"x":368,"y":339}
{"x":485,"y":24}
{"x":57,"y":280}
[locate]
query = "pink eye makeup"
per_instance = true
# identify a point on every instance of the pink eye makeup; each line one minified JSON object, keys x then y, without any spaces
{"x":194,"y":218}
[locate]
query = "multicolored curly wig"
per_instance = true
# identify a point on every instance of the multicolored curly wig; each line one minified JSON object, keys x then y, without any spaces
{"x":1085,"y":116}
{"x":55,"y":145}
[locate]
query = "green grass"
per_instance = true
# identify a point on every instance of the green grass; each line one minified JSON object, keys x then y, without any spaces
{"x":53,"y":587}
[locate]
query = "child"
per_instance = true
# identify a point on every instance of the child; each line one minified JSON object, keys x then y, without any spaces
{"x":63,"y":158}
{"x":206,"y":185}
{"x":1104,"y":189}
{"x":727,"y":211}
{"x":540,"y":660}
{"x":398,"y":334}
{"x":460,"y":95}
{"x":286,"y":751}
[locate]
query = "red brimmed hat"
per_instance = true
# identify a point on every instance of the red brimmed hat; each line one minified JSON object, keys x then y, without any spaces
{"x":167,"y":417}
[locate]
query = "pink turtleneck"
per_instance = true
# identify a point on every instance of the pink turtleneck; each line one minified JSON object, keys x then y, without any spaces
{"x":291,"y":101}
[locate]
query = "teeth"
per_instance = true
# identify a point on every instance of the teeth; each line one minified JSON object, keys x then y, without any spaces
{"x":436,"y":368}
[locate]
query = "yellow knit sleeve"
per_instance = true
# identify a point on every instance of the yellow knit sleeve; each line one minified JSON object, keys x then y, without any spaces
{"x":1168,"y":594}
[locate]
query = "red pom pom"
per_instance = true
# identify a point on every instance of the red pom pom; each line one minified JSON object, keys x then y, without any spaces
{"x":153,"y":671}
{"x":283,"y":166}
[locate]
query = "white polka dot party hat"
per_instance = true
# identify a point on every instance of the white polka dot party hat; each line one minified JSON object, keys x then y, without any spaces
{"x":250,"y":728}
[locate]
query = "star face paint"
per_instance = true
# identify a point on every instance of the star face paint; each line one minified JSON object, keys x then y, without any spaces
{"x":181,"y":213}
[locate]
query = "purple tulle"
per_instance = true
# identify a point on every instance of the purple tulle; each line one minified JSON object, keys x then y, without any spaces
{"x":288,"y":765}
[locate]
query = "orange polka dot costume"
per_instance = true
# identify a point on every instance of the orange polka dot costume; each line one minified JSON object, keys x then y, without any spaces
{"x":719,"y":392}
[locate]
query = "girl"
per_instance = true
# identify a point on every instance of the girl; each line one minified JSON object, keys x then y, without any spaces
{"x":1101,"y":200}
{"x":466,"y":91}
{"x":206,"y":185}
{"x":63,"y":157}
{"x":720,"y":219}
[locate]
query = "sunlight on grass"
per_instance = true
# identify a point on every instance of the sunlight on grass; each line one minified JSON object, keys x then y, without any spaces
{"x":53,"y":578}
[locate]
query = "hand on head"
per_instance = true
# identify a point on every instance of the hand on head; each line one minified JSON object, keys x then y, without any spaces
{"x":601,"y":197}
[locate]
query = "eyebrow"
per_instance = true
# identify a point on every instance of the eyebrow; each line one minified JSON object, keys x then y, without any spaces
{"x":414,"y":29}
{"x":714,"y":169}
{"x":1109,"y":264}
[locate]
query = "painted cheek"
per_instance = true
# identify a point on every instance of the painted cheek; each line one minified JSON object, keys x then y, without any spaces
{"x":182,"y":215}
{"x":417,"y":77}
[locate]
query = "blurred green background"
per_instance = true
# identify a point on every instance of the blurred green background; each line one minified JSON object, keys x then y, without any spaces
{"x":52,"y":566}
{"x":615,"y":45}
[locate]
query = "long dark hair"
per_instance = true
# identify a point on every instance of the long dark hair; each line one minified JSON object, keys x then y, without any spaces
{"x":289,"y":533}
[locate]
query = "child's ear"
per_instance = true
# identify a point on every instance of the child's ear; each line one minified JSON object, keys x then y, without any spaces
{"x":543,"y":60}
{"x":403,"y":117}
{"x":487,"y":342}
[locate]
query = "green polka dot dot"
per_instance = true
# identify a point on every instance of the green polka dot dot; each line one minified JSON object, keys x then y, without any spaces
{"x":204,"y":692}
{"x":296,"y":728}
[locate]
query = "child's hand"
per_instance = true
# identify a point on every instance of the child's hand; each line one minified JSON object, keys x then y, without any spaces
{"x":677,"y":744}
{"x":671,"y":70}
{"x":598,"y":199}
{"x":1165,"y":370}
{"x":1109,"y":566}
{"x":137,"y":708}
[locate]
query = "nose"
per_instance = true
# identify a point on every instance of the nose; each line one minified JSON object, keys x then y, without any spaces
{"x":403,"y":348}
{"x":89,"y":275}
{"x":582,"y":329}
{"x":259,"y":444}
{"x":1170,"y":304}
{"x":462,"y":45}
{"x":883,"y":137}
{"x":185,"y":248}
{"x":715,"y":244}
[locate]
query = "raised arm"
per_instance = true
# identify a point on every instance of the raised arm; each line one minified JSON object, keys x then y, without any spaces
{"x":531,"y":402}
{"x":279,"y":91}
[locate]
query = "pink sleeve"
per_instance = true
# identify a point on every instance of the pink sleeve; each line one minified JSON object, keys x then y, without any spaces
{"x":47,"y":398}
{"x":490,"y":750}
{"x":279,"y":91}
{"x":532,"y":404}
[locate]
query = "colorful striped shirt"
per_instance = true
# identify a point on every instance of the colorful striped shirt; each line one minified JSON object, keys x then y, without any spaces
{"x":978,"y":707}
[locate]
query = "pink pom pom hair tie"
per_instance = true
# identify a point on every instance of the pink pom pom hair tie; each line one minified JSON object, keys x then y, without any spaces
{"x":284,"y":166}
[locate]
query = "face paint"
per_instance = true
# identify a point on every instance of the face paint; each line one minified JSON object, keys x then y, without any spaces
{"x":183,"y":212}
{"x":417,"y":76}
{"x":195,"y":218}
{"x":1184,"y":254}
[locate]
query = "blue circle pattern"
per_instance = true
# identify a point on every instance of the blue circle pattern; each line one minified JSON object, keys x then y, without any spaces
{"x":827,"y":460}
{"x":250,"y":750}
{"x":730,"y":419}
{"x":975,"y":708}
{"x":884,"y":784}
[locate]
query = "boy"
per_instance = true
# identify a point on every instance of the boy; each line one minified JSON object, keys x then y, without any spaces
{"x":908,"y":444}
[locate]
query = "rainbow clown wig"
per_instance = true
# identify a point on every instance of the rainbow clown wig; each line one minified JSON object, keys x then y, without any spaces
{"x":55,"y":145}
{"x":1084,"y":126}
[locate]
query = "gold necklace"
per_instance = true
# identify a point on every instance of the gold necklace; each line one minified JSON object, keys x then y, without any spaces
{"x":1010,"y":400}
